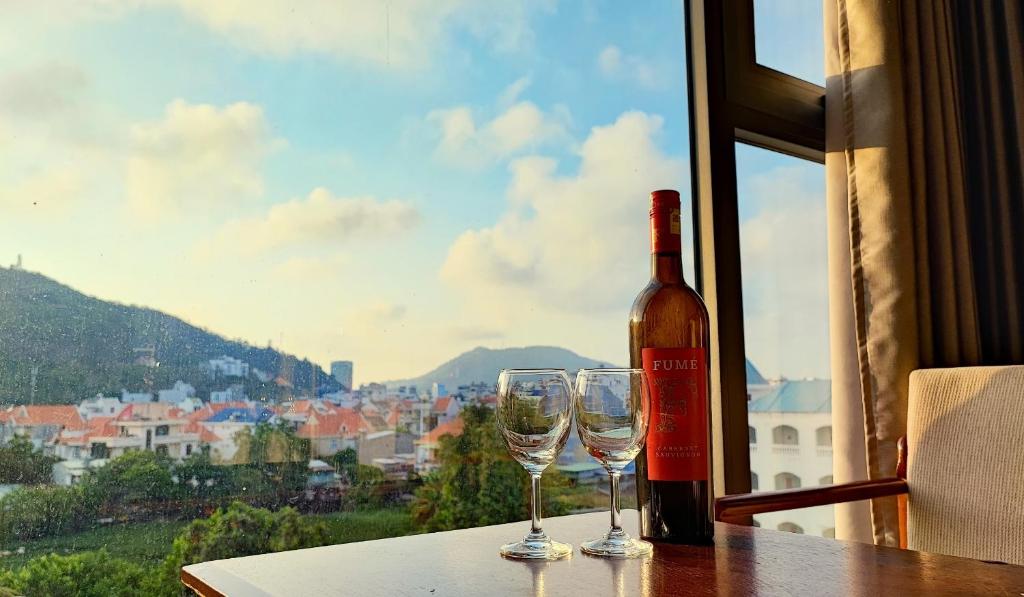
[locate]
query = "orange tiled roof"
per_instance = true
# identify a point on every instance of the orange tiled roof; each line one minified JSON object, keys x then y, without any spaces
{"x":94,"y":427}
{"x":392,"y":419}
{"x":340,"y":422}
{"x":441,"y":405}
{"x":205,"y":435}
{"x":64,"y":416}
{"x":453,"y":427}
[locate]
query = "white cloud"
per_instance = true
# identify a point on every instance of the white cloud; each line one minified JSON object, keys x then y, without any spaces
{"x":320,"y":219}
{"x":617,"y":65}
{"x":510,"y":94}
{"x":42,"y":91}
{"x":199,"y":156}
{"x":573,"y":244}
{"x":518,"y":127}
{"x":785,"y":273}
{"x":401,"y":34}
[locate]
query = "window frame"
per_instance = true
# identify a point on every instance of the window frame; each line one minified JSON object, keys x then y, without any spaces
{"x":732,"y":98}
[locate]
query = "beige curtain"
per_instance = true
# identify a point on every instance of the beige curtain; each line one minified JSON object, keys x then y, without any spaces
{"x":915,"y":245}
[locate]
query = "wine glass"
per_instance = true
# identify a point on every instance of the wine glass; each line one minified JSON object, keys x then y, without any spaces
{"x":534,"y":414}
{"x":613,"y":409}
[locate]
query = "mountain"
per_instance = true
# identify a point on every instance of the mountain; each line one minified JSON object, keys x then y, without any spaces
{"x":81,"y":346}
{"x":483,"y":364}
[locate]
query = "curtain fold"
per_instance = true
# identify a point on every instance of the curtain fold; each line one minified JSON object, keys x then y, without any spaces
{"x":924,"y":130}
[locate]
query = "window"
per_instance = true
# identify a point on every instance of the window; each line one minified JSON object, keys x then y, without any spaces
{"x":784,"y":435}
{"x":790,"y":527}
{"x":788,"y":37}
{"x":758,"y":130}
{"x":786,"y":481}
{"x":753,"y":481}
{"x":269,"y":246}
{"x":829,"y":533}
{"x":752,"y":434}
{"x":824,"y":437}
{"x":826,"y":480}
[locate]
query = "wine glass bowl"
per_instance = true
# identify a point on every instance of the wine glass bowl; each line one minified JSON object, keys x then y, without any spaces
{"x":612,"y":415}
{"x":534,"y":415}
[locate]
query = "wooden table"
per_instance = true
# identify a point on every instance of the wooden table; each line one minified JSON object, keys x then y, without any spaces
{"x":743,"y":561}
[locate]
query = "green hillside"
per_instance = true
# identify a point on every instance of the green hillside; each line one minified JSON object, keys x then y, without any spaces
{"x":83,"y":346}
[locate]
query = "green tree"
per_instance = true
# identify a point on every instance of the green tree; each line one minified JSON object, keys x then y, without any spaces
{"x":198,"y":477}
{"x":236,"y":531}
{"x":137,"y":476}
{"x":345,"y":462}
{"x":88,"y":574}
{"x":44,"y":511}
{"x":478,"y":483}
{"x":21,"y":463}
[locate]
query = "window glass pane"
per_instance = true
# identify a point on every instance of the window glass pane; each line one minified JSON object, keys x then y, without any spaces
{"x":274,"y":252}
{"x":783,"y":247}
{"x":789,"y":37}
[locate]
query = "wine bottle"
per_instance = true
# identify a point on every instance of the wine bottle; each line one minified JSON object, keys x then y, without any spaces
{"x":668,"y":338}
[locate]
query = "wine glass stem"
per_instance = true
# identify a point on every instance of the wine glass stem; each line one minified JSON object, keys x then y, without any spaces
{"x":614,"y":491}
{"x":535,"y":504}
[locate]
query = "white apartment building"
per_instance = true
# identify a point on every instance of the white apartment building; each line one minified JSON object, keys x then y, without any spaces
{"x":790,"y":432}
{"x":228,"y":367}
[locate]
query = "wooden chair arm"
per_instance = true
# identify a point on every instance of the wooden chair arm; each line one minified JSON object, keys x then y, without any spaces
{"x":736,"y":508}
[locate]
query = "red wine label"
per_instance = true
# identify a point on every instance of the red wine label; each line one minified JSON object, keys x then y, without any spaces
{"x":677,"y":440}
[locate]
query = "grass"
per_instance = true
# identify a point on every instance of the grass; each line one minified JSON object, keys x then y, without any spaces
{"x":364,"y":525}
{"x":144,"y":543}
{"x":148,"y":543}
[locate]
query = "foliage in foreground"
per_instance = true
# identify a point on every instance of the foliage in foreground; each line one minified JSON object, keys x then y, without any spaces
{"x":88,"y":574}
{"x":478,"y":483}
{"x":237,"y":531}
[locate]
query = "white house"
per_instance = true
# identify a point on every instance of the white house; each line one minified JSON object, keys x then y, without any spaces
{"x":110,"y":437}
{"x":176,"y":394}
{"x":790,"y":434}
{"x":228,"y":367}
{"x":234,"y":393}
{"x":100,"y":406}
{"x":135,"y":397}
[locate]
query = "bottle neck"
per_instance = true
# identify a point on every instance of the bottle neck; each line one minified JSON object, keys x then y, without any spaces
{"x":666,"y":260}
{"x":667,"y":268}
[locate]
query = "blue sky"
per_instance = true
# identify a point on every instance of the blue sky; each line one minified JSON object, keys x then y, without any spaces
{"x":388,"y":182}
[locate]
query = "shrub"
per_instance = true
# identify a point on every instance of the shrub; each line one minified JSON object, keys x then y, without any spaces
{"x":31,"y":512}
{"x":88,"y":574}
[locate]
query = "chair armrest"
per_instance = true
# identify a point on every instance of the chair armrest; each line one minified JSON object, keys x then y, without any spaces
{"x":735,"y":508}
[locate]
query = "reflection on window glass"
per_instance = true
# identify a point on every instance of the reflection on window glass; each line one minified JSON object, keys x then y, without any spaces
{"x":783,"y":248}
{"x":789,"y":37}
{"x":274,"y":254}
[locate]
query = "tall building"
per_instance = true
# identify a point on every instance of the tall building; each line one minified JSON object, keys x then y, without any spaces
{"x":791,"y":446}
{"x":342,"y":372}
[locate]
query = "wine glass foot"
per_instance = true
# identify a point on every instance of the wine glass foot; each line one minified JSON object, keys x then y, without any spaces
{"x":528,"y":549}
{"x":617,"y":546}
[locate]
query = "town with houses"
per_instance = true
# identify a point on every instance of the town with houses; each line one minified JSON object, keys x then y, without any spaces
{"x":396,"y":429}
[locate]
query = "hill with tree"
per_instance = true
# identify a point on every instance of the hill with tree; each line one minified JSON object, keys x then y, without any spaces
{"x":80,"y":346}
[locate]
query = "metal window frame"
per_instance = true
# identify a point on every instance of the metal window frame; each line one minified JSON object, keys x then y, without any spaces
{"x":732,"y":98}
